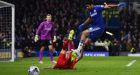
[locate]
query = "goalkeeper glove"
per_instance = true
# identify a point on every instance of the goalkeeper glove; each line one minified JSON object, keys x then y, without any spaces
{"x":36,"y":38}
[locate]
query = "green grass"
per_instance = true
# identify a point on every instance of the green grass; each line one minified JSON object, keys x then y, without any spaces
{"x":87,"y":66}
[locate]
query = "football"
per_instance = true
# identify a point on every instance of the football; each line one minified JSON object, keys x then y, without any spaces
{"x":33,"y":70}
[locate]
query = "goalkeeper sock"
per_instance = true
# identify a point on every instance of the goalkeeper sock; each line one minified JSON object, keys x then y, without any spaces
{"x":71,"y":45}
{"x":51,"y":55}
{"x":40,"y":55}
{"x":65,"y":45}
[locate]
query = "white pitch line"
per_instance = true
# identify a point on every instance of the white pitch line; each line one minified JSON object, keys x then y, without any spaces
{"x":131,"y":63}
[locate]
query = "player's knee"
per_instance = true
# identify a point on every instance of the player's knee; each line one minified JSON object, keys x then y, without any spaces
{"x":42,"y":48}
{"x":86,"y":32}
{"x":51,"y":47}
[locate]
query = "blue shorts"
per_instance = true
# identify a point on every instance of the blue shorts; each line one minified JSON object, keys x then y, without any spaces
{"x":95,"y":32}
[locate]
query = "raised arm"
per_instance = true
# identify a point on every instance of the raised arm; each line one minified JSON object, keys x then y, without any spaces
{"x":110,"y":5}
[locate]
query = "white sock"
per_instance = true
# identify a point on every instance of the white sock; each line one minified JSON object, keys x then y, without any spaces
{"x":80,"y":46}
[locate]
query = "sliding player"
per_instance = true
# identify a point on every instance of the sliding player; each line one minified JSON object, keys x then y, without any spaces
{"x":46,"y":34}
{"x":67,"y":58}
{"x":96,"y":27}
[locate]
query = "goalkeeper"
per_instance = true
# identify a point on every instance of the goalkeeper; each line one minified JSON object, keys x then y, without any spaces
{"x":46,"y":34}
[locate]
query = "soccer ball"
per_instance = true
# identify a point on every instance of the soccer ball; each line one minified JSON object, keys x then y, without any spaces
{"x":33,"y":70}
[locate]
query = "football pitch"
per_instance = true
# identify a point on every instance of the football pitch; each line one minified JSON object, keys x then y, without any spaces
{"x":116,"y":65}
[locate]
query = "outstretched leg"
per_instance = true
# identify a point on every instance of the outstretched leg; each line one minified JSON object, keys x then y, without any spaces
{"x":82,"y":42}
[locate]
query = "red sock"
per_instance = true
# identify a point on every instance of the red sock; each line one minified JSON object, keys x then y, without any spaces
{"x":65,"y":45}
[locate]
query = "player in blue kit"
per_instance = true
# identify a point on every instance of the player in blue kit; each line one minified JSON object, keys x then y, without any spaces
{"x":96,"y":26}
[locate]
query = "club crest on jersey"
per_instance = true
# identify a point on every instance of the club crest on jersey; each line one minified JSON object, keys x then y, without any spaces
{"x":94,"y":10}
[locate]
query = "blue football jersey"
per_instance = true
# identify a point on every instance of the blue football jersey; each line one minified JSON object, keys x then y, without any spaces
{"x":96,"y":16}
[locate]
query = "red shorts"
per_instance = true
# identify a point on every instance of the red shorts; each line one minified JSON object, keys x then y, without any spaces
{"x":65,"y":63}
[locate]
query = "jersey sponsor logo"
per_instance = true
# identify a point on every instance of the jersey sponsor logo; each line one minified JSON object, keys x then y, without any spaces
{"x":48,"y":29}
{"x":93,"y":14}
{"x":93,"y":29}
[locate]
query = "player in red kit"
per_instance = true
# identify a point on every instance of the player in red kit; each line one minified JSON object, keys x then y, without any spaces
{"x":67,"y":58}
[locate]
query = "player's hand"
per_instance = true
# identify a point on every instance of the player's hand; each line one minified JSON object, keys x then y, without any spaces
{"x":110,"y":5}
{"x":106,"y":5}
{"x":36,"y":38}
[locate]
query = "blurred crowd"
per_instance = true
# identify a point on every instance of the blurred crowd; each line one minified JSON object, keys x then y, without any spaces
{"x":30,"y":13}
{"x":67,"y":14}
{"x":130,"y":36}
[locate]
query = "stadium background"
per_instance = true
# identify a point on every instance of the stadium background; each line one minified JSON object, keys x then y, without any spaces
{"x":124,"y":23}
{"x":67,"y":14}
